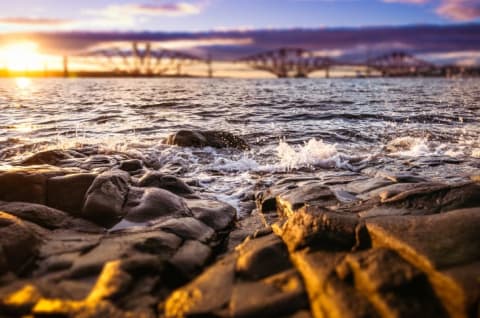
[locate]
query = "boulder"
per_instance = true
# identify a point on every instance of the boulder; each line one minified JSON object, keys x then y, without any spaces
{"x":197,"y":138}
{"x":187,"y":228}
{"x":50,"y":157}
{"x":191,"y":257}
{"x":67,"y":193}
{"x":147,"y":204}
{"x":167,"y":182}
{"x":105,"y":198}
{"x":131,"y":165}
{"x":216,"y":214}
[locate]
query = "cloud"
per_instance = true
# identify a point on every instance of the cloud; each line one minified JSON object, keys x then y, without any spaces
{"x":460,"y":10}
{"x":407,"y":1}
{"x":34,"y":21}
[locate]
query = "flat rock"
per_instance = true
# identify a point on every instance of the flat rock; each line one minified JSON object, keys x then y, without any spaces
{"x":187,"y":228}
{"x":191,"y":257}
{"x":216,"y":139}
{"x":67,"y":193}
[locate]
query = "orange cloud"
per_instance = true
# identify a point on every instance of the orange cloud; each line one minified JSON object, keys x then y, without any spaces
{"x":460,"y":10}
{"x":34,"y":21}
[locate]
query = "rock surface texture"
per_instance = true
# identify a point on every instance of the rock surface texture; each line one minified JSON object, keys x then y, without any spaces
{"x":120,"y":240}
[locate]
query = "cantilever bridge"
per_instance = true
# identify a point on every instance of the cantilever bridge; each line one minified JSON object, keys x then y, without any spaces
{"x":139,"y":59}
{"x":297,"y":62}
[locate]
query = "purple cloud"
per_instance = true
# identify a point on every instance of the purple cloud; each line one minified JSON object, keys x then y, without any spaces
{"x":460,"y":10}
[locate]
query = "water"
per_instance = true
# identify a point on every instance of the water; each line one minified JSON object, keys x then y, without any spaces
{"x":318,"y":126}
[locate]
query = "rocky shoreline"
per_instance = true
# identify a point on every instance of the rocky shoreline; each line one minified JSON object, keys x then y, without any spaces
{"x":89,"y":234}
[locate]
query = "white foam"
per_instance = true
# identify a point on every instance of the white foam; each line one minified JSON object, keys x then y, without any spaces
{"x":476,"y":153}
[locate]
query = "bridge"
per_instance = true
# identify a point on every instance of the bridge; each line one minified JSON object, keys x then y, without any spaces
{"x":297,"y":62}
{"x":288,"y":62}
{"x":140,"y":59}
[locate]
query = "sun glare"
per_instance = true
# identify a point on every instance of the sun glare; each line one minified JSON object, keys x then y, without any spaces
{"x":22,"y":56}
{"x":22,"y":82}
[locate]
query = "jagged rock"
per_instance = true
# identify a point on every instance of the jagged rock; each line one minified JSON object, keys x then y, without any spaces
{"x":146,"y":204}
{"x":216,"y":214}
{"x":316,"y":194}
{"x":435,"y":243}
{"x":105,"y":198}
{"x":18,"y":243}
{"x":67,"y":193}
{"x":187,"y":228}
{"x":167,"y":182}
{"x":262,"y":257}
{"x":216,"y":139}
{"x":326,"y":230}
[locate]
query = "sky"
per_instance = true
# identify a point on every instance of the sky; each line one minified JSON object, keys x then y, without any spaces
{"x":439,"y":30}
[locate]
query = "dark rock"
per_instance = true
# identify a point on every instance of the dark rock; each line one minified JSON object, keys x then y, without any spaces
{"x":262,"y":257}
{"x":208,"y":294}
{"x":187,"y":228}
{"x":49,"y":157}
{"x":218,"y":215}
{"x":18,"y":243}
{"x":216,"y":139}
{"x":47,"y":217}
{"x":191,"y":257}
{"x":131,"y":165}
{"x":105,"y":198}
{"x":27,"y":184}
{"x":167,"y":182}
{"x":67,"y":193}
{"x":147,"y":204}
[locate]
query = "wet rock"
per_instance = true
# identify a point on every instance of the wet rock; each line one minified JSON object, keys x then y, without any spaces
{"x":216,"y":139}
{"x":217,"y":215}
{"x":147,"y":204}
{"x":67,"y":193}
{"x":167,"y":182}
{"x":50,"y":157}
{"x":105,"y":198}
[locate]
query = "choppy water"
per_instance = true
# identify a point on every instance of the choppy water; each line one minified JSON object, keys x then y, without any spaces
{"x":425,"y":126}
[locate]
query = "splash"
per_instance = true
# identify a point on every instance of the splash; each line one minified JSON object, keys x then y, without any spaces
{"x":314,"y":153}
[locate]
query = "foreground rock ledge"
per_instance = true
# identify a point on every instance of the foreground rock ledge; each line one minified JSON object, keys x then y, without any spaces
{"x":342,"y":246}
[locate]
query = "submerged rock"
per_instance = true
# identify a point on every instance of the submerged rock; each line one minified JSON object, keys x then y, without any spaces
{"x":197,"y":138}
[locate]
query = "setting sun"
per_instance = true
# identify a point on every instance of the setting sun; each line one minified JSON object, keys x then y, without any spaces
{"x":21,"y":56}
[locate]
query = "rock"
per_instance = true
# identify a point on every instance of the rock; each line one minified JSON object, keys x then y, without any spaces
{"x":216,"y":139}
{"x":262,"y":257}
{"x":50,"y":157}
{"x":208,"y":294}
{"x":326,"y":230}
{"x":18,"y":243}
{"x":112,"y":282}
{"x":131,"y":165}
{"x":187,"y":228}
{"x":167,"y":182}
{"x":363,"y":186}
{"x":426,"y":240}
{"x":316,"y":194}
{"x":47,"y":217}
{"x":147,"y":204}
{"x":191,"y":257}
{"x":105,"y":198}
{"x":67,"y":193}
{"x":275,"y":296}
{"x":216,"y":214}
{"x":26,"y":184}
